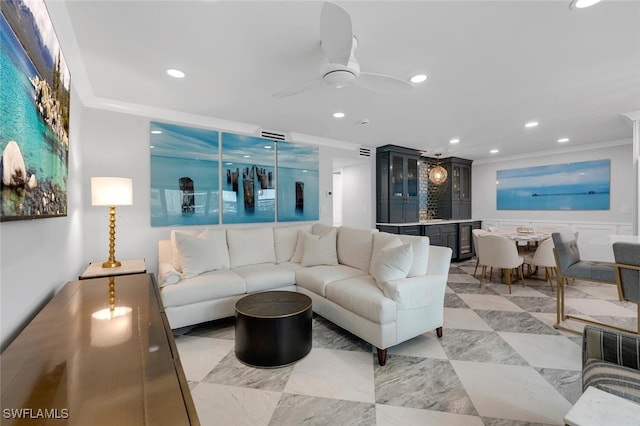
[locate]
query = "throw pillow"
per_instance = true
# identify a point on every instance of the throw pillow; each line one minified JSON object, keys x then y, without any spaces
{"x":383,"y":240}
{"x":320,"y":249}
{"x":420,"y":254}
{"x":175,"y":256}
{"x":285,"y":239}
{"x":202,"y":253}
{"x":392,"y":263}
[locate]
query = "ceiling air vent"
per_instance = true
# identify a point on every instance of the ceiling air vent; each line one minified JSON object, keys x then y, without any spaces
{"x":270,"y":134}
{"x":364,"y":152}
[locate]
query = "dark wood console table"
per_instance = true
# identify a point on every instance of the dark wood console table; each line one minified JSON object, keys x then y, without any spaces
{"x":79,"y":362}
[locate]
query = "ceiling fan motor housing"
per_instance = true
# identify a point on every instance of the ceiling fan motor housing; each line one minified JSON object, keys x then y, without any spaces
{"x":339,"y":78}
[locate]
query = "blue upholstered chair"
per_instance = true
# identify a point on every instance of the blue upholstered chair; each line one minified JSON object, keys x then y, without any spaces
{"x":627,"y":267}
{"x":569,"y":265}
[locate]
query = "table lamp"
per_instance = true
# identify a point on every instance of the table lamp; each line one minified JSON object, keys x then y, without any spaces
{"x":112,"y":192}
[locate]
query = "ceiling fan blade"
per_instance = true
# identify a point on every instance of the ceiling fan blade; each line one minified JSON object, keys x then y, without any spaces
{"x":385,"y":84}
{"x":298,"y":88}
{"x":336,"y":33}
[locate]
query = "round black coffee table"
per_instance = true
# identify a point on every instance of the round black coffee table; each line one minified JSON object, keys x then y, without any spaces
{"x":273,"y":328}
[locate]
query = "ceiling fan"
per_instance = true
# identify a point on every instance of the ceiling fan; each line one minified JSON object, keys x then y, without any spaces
{"x":342,"y":67}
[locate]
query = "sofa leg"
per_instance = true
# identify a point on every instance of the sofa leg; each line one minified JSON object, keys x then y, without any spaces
{"x":382,"y":356}
{"x":439,"y":331}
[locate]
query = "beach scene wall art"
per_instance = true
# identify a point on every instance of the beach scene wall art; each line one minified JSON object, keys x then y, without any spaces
{"x":298,"y":182}
{"x":34,"y":106}
{"x":248,"y":179}
{"x":184,"y":175}
{"x":582,"y":185}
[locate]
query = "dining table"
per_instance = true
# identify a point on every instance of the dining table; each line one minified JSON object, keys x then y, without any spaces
{"x":525,"y":236}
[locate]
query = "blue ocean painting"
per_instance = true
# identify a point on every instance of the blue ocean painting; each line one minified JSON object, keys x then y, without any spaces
{"x":184,"y":175}
{"x":248,"y":179}
{"x":582,"y":185}
{"x":34,"y":106}
{"x":298,"y":182}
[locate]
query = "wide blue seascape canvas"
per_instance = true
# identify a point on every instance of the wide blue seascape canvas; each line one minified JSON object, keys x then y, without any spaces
{"x":34,"y":106}
{"x":184,"y":175}
{"x":298,"y":182}
{"x":248,"y":179}
{"x":582,"y":185}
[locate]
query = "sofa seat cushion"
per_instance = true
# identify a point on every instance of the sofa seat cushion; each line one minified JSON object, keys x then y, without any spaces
{"x":265,"y":276}
{"x":362,"y":296}
{"x":613,"y":378}
{"x":316,"y":278}
{"x":291,"y":266}
{"x":208,"y":286}
{"x":592,"y":270}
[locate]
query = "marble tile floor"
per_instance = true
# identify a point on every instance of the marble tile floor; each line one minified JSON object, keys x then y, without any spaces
{"x":499,"y":362}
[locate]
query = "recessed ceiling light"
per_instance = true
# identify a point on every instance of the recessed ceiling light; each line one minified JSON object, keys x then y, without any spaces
{"x":418,"y":78}
{"x":228,"y":164}
{"x":454,"y":141}
{"x":267,"y":147}
{"x":338,"y":115}
{"x":581,"y":4}
{"x":563,"y":140}
{"x":304,"y":171}
{"x":151,"y":146}
{"x":531,"y":124}
{"x":175,"y":73}
{"x":246,"y":156}
{"x":494,"y":151}
{"x":156,"y":132}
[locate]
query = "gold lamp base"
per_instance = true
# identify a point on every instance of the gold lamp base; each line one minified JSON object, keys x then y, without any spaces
{"x":111,"y":264}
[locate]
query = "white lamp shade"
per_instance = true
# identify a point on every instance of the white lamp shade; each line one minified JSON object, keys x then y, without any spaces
{"x":111,"y":191}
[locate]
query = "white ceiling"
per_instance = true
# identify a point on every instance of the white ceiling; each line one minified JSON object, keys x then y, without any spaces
{"x":492,"y":66}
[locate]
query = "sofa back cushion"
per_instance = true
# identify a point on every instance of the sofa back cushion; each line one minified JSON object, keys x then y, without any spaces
{"x":285,"y":238}
{"x":355,"y":247}
{"x":321,"y":228}
{"x":420,"y":247}
{"x":250,"y":246}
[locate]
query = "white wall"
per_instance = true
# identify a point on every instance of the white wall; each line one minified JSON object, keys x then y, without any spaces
{"x":484,"y":186}
{"x":596,"y":228}
{"x":38,"y":257}
{"x":117,"y":144}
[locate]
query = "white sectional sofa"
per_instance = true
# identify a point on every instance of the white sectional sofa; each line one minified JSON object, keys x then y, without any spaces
{"x":384,"y":288}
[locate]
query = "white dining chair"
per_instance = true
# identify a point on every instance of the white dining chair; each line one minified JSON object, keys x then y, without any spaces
{"x":543,"y":257}
{"x":500,"y":252}
{"x":476,"y":233}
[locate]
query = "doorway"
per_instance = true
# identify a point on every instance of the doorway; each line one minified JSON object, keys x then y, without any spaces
{"x":352,"y":192}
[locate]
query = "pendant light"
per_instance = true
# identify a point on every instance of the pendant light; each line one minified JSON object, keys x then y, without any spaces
{"x":438,"y":174}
